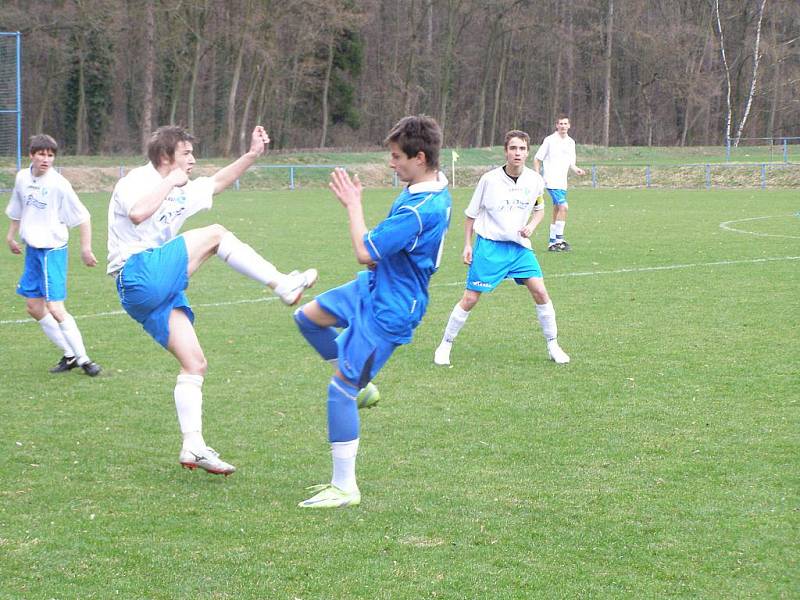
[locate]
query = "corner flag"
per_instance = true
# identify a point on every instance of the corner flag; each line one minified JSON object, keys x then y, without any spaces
{"x":453,"y":168}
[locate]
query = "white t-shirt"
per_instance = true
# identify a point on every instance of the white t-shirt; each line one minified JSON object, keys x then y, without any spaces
{"x":502,"y":207}
{"x":558,"y":155}
{"x":46,"y":207}
{"x":125,"y":238}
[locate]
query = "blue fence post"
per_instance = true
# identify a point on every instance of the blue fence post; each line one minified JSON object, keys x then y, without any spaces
{"x":594,"y":176}
{"x":121,"y":171}
{"x":236,"y":185}
{"x":708,"y":176}
{"x":291,"y":178}
{"x":728,"y":149}
{"x":785,"y":151}
{"x":763,"y":176}
{"x":394,"y":179}
{"x":647,"y":176}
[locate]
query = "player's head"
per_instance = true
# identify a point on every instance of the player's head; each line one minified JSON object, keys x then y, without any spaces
{"x":163,"y":143}
{"x":516,"y":146}
{"x":40,"y":142}
{"x":419,"y":137}
{"x":516,"y":133}
{"x":43,"y":151}
{"x":562,"y":123}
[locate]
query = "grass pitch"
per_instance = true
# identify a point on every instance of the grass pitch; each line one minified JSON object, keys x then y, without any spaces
{"x":662,"y":462}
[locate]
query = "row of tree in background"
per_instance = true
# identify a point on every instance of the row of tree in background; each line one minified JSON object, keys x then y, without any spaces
{"x":101,"y":74}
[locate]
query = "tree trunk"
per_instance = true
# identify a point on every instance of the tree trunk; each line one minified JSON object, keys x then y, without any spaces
{"x":756,"y":48}
{"x":149,"y":60}
{"x":607,"y":98}
{"x":729,"y":116}
{"x":326,"y":85}
{"x":81,"y":134}
{"x":498,"y":88}
{"x":231,"y":110}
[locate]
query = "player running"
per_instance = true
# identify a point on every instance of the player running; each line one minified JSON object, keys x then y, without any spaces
{"x":42,"y":208}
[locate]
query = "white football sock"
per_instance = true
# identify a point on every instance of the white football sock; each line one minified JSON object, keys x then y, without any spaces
{"x":454,"y":324}
{"x":553,"y":230}
{"x":189,"y":406}
{"x":344,"y":465}
{"x":547,"y":319}
{"x":73,"y":336}
{"x":560,"y":229}
{"x":53,"y":332}
{"x":243,"y":259}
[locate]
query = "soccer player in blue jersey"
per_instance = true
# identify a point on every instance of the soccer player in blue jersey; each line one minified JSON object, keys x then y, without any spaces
{"x":378,"y":311}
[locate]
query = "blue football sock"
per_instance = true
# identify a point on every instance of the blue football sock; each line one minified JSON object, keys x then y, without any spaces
{"x":322,"y":339}
{"x":342,"y":411}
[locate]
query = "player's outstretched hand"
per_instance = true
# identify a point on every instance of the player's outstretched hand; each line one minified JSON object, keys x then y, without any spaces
{"x":88,"y":258}
{"x":346,"y":190}
{"x":259,"y":140}
{"x":14,"y":246}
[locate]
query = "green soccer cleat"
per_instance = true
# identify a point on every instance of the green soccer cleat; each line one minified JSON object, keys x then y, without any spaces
{"x":368,"y":396}
{"x":330,"y":496}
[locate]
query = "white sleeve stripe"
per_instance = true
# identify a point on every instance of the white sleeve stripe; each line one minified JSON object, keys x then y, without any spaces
{"x":371,"y":243}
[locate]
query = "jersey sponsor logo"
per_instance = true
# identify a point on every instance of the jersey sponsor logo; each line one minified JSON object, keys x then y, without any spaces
{"x":33,"y":201}
{"x":170,"y":215}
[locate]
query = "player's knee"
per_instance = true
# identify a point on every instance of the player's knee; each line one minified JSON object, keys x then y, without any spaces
{"x":468,"y":301}
{"x":37,"y":311}
{"x":195,"y":365}
{"x":57,"y":310}
{"x":217,"y":232}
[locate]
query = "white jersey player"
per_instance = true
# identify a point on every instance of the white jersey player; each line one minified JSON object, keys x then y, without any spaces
{"x":557,"y":153}
{"x":42,"y":208}
{"x":152,"y":263}
{"x":505,"y":209}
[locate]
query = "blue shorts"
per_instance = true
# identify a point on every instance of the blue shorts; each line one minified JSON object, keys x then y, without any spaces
{"x":362,"y":351}
{"x":493,"y":261}
{"x":558,"y":197}
{"x":151,"y":284}
{"x":45,"y":274}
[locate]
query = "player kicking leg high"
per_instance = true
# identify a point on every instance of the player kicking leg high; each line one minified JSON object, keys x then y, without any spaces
{"x":505,"y":209}
{"x":152,"y":264}
{"x":378,"y":311}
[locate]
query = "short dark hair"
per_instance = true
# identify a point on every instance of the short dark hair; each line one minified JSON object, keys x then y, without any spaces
{"x":516,"y":133}
{"x":418,"y":133}
{"x":561,"y":117}
{"x":164,"y":141}
{"x":42,"y":141}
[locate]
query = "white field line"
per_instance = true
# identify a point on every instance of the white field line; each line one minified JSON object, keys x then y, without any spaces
{"x":719,"y":263}
{"x":727,"y":226}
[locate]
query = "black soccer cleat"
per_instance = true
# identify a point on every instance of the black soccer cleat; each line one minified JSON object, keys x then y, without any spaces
{"x":564,"y":246}
{"x":554,"y":247}
{"x":91,"y":368}
{"x":65,"y":364}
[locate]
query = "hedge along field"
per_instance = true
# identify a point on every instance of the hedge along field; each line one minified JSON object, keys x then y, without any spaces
{"x":662,"y":461}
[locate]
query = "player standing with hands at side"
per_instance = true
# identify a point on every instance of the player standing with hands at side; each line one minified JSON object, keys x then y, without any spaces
{"x":505,"y":209}
{"x":557,"y":152}
{"x":42,"y":208}
{"x":152,"y":264}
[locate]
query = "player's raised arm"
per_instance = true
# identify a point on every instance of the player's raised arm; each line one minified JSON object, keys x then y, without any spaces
{"x":349,"y":194}
{"x":227,"y":175}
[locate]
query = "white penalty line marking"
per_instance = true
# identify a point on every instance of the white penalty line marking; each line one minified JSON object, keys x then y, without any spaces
{"x":719,"y":263}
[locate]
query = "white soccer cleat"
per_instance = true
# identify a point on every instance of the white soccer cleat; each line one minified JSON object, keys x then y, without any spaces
{"x":329,"y":496}
{"x":206,"y":459}
{"x":442,"y":355}
{"x":291,"y":289}
{"x":556,"y":353}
